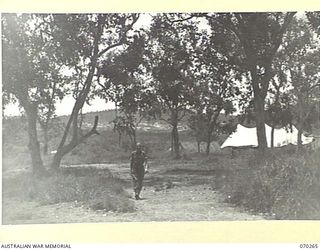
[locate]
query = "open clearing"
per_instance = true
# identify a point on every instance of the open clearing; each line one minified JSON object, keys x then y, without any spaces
{"x":172,"y":192}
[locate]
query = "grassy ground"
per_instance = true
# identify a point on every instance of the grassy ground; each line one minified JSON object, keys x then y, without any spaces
{"x":219,"y":187}
{"x":173,"y":191}
{"x":90,"y":188}
{"x":283,"y":185}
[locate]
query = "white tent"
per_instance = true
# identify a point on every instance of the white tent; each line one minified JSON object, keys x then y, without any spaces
{"x":244,"y":136}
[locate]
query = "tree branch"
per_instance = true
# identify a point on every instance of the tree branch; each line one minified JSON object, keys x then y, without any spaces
{"x":287,"y":20}
{"x":68,"y":148}
{"x":83,"y":94}
{"x":184,"y":112}
{"x":122,"y":38}
{"x":178,"y":20}
{"x":139,"y":120}
{"x":230,"y":26}
{"x":314,"y":86}
{"x":167,"y":121}
{"x":92,"y":131}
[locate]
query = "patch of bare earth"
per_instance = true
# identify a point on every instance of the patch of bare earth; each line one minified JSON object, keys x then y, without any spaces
{"x":171,"y":193}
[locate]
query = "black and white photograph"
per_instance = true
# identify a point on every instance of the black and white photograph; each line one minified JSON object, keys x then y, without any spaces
{"x":160,"y":117}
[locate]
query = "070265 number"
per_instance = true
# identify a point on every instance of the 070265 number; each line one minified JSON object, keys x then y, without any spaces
{"x":309,"y":246}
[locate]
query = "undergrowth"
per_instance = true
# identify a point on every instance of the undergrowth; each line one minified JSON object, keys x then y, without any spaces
{"x":95,"y":189}
{"x":282,"y":185}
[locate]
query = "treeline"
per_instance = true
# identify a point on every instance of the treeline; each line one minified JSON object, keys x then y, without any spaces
{"x":264,"y":65}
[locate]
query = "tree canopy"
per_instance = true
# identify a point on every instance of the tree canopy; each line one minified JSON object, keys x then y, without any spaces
{"x":206,"y":64}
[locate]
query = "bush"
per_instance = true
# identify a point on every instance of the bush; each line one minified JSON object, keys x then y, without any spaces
{"x":96,"y":189}
{"x":282,"y":185}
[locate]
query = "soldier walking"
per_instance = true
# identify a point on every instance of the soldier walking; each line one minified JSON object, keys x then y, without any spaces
{"x":138,"y":168}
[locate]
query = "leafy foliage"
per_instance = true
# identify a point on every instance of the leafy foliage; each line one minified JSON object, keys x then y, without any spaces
{"x":258,"y":36}
{"x":283,"y":186}
{"x":299,"y":59}
{"x":84,"y":40}
{"x":32,"y":76}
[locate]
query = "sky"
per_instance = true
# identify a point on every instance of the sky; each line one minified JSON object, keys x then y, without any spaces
{"x":65,"y":106}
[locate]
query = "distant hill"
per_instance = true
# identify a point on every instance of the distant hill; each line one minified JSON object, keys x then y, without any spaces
{"x":105,"y":117}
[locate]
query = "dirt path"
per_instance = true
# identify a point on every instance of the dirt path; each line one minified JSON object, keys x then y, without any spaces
{"x":178,"y":193}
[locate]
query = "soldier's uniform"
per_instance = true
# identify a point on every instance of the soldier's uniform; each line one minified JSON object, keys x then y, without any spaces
{"x":137,"y":170}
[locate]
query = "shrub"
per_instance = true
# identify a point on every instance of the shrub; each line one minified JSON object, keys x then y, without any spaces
{"x":282,"y":185}
{"x":96,"y":189}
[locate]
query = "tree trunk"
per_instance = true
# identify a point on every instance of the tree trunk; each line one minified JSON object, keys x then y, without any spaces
{"x":212,"y":124}
{"x":34,"y":146}
{"x":72,"y":123}
{"x":301,"y":117}
{"x":272,"y":136}
{"x":299,"y":139}
{"x":199,"y":149}
{"x":63,"y":150}
{"x":260,"y":88}
{"x":259,"y":99}
{"x":175,"y":135}
{"x":119,"y":139}
{"x":260,"y":124}
{"x":57,"y":160}
{"x":172,"y":144}
{"x":277,"y":87}
{"x":134,"y":137}
{"x":176,"y":144}
{"x":208,"y":147}
{"x":46,"y":141}
{"x":208,"y":141}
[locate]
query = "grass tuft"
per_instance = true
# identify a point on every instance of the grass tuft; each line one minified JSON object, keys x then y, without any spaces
{"x":96,"y":189}
{"x":285,"y":186}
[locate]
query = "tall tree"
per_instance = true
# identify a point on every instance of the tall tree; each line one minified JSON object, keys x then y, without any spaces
{"x":83,"y":40}
{"x":215,"y":88}
{"x":278,"y":100}
{"x":169,"y":52}
{"x":29,"y":69}
{"x":122,"y":80}
{"x":301,"y":64}
{"x":47,"y":107}
{"x":278,"y":108}
{"x":259,"y":35}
